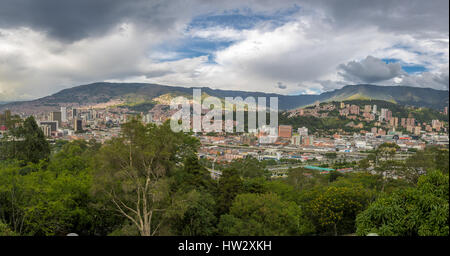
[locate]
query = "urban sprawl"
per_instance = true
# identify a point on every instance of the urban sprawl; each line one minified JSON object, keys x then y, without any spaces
{"x":300,"y":145}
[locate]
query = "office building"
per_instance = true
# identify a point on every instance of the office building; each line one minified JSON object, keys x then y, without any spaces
{"x":285,"y":131}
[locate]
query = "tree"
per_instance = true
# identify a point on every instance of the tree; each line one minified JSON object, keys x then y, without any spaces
{"x":422,"y":211}
{"x":193,"y":176}
{"x":429,"y":159}
{"x":387,"y":151}
{"x":5,"y":230}
{"x":250,"y":168}
{"x":334,"y":175}
{"x":45,"y":202}
{"x":331,"y":155}
{"x":230,"y":185}
{"x":301,"y":178}
{"x":199,"y":218}
{"x":363,"y":164}
{"x":335,"y":208}
{"x":132,"y":173}
{"x":26,"y":143}
{"x":264,"y":215}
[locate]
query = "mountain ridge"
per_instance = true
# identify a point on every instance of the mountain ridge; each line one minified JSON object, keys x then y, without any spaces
{"x":104,"y":92}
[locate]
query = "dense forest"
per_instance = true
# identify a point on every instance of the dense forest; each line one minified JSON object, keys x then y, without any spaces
{"x":149,"y":182}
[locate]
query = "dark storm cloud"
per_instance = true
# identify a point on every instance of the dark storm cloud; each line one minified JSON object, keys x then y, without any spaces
{"x":423,"y":18}
{"x":73,"y":20}
{"x":370,"y":70}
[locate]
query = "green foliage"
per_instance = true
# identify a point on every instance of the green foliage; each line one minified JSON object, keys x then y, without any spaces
{"x":230,"y":185}
{"x":334,"y":175}
{"x":149,"y":181}
{"x":54,"y":198}
{"x":199,"y":218}
{"x":422,"y":211}
{"x":326,"y":125}
{"x":264,"y":215}
{"x":334,"y":209}
{"x":132,"y":173}
{"x":27,"y":143}
{"x":432,"y":158}
{"x":303,"y":179}
{"x":250,"y":168}
{"x":5,"y":230}
{"x":331,"y":155}
{"x":193,"y":176}
{"x":139,"y":107}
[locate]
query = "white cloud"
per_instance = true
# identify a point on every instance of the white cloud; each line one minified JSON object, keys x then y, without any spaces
{"x":304,"y":52}
{"x":34,"y":65}
{"x":437,"y":80}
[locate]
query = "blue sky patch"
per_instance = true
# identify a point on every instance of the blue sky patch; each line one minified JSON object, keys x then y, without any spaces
{"x":408,"y":68}
{"x":243,"y":18}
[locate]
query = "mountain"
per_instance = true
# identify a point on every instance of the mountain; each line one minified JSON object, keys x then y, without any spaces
{"x":403,"y":95}
{"x":108,"y":94}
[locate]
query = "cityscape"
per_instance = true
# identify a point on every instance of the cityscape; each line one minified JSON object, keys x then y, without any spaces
{"x":371,"y":128}
{"x":217,"y":123}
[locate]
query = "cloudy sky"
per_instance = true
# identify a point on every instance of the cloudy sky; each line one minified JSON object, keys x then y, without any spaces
{"x":287,"y":47}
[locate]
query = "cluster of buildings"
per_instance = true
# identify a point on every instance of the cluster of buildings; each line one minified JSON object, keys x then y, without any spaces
{"x":382,"y":122}
{"x":299,"y":144}
{"x":319,"y":110}
{"x":86,"y":123}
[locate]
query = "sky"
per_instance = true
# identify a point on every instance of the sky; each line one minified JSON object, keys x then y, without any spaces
{"x":287,"y":47}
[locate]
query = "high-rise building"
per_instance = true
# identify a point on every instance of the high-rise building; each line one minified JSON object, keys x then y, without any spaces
{"x":385,"y":114}
{"x":393,"y":122}
{"x":410,"y":121}
{"x":148,"y":118}
{"x":5,"y":117}
{"x":64,"y":114}
{"x":436,"y":124}
{"x":78,"y":125}
{"x":354,"y":110}
{"x":367,"y":108}
{"x":388,"y":115}
{"x":285,"y":131}
{"x":309,"y":140}
{"x":89,"y":115}
{"x":374,"y":109}
{"x":409,"y":128}
{"x":47,"y":129}
{"x":296,"y":140}
{"x":74,"y":113}
{"x":52,"y":124}
{"x":303,"y":131}
{"x":56,"y":116}
{"x":403,"y":122}
{"x":417,"y":130}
